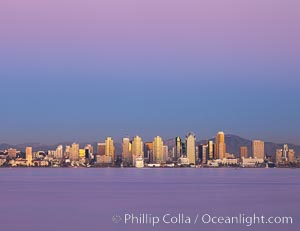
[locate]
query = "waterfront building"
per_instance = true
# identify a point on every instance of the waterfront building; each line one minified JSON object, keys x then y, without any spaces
{"x":285,"y":152}
{"x":50,"y":154}
{"x":178,"y":148}
{"x":28,"y":153}
{"x":203,"y":153}
{"x":244,"y":152}
{"x":191,"y":148}
{"x":148,"y":151}
{"x":126,"y":152}
{"x":101,"y":149}
{"x":137,"y":148}
{"x":74,"y":152}
{"x":89,"y":151}
{"x":258,"y":149}
{"x":67,"y":151}
{"x":252,"y":161}
{"x":110,"y":148}
{"x":12,"y":153}
{"x":158,"y":150}
{"x":165,"y":153}
{"x":59,"y":152}
{"x":278,"y":155}
{"x":210,"y":150}
{"x":81,"y":153}
{"x":220,"y":146}
{"x":139,"y":162}
{"x":291,"y":155}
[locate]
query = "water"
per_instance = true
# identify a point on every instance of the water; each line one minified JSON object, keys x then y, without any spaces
{"x":61,"y":199}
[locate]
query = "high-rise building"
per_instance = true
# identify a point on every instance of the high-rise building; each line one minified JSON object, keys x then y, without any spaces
{"x":12,"y":153}
{"x":191,"y":148}
{"x":59,"y":152}
{"x":285,"y":152}
{"x":291,"y":155}
{"x":67,"y":151}
{"x":258,"y":149}
{"x":203,"y":153}
{"x":81,"y":153}
{"x":110,"y":148}
{"x":183,"y":149}
{"x":243,"y":152}
{"x":165,"y":153}
{"x":285,"y":155}
{"x":29,"y":155}
{"x":126,"y":151}
{"x":158,"y":149}
{"x":101,"y":149}
{"x":137,"y":147}
{"x":210,"y":150}
{"x":74,"y":152}
{"x":220,"y":146}
{"x":278,"y":155}
{"x":148,"y":151}
{"x":178,"y":148}
{"x":89,"y":151}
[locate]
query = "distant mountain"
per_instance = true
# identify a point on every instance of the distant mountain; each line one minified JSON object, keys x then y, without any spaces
{"x":233,"y":144}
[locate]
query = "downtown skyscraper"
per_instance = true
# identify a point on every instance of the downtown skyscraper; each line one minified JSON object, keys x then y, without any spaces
{"x":158,"y":150}
{"x":220,"y":146}
{"x":137,"y":148}
{"x":126,"y":151}
{"x":258,"y":149}
{"x":110,"y":149}
{"x":191,"y":147}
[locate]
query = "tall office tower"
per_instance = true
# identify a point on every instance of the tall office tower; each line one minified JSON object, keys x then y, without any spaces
{"x":291,"y":155}
{"x":183,"y":149}
{"x":67,"y":151}
{"x":258,"y":149}
{"x":285,"y":152}
{"x":148,"y":151}
{"x":165,"y":153}
{"x":74,"y":152}
{"x":210,"y":150}
{"x":89,"y":151}
{"x":177,"y":148}
{"x":137,"y":147}
{"x":158,"y":149}
{"x":110,"y":148}
{"x":126,"y":151}
{"x":81,"y":153}
{"x":90,"y":148}
{"x":101,"y":149}
{"x":191,"y":148}
{"x":12,"y":153}
{"x":203,"y":153}
{"x":59,"y":152}
{"x":220,"y":146}
{"x":243,"y":152}
{"x":29,"y":155}
{"x":278,"y":155}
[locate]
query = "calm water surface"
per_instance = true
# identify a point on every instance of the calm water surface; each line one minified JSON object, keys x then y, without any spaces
{"x":87,"y":199}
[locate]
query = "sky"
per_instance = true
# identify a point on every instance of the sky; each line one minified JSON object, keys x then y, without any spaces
{"x":81,"y":70}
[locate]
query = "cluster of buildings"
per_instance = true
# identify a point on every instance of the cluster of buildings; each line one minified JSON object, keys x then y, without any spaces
{"x":137,"y":153}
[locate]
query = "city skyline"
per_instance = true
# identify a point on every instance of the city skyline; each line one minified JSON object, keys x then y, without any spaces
{"x":120,"y":138}
{"x":140,"y":154}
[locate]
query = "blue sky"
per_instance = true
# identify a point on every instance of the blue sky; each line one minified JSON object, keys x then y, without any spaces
{"x":110,"y":69}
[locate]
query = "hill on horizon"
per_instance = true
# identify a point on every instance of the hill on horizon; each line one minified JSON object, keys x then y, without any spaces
{"x":233,"y":144}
